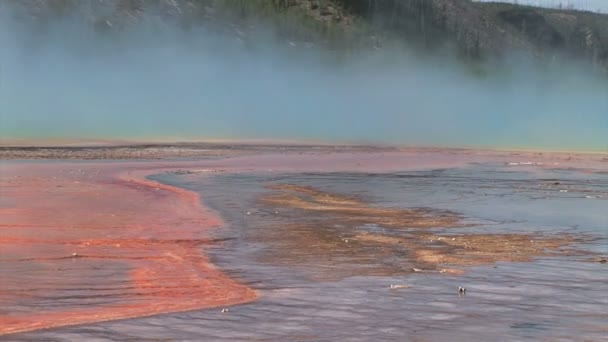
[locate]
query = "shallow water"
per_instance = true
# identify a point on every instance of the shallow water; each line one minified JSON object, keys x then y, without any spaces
{"x":552,"y":298}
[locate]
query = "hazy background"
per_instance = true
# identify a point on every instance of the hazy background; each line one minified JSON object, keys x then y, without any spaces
{"x":67,"y":81}
{"x":587,"y":5}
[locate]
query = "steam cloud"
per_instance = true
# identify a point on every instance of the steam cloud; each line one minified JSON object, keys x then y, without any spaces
{"x":145,"y":84}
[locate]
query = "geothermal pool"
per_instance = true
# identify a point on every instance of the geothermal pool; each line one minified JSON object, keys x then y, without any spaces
{"x":324,"y":273}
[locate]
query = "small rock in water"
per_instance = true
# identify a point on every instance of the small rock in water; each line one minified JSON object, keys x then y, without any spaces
{"x":75,"y":255}
{"x":462,"y":290}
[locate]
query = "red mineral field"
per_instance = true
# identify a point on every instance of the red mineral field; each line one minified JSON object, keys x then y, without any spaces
{"x":86,"y":242}
{"x":91,"y":241}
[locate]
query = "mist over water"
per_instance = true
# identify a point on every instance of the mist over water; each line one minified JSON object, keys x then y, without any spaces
{"x":157,"y":82}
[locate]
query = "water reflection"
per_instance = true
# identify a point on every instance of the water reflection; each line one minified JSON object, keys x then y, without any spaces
{"x":553,"y":298}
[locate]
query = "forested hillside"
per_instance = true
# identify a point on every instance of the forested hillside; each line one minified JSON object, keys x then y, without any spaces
{"x":476,"y":30}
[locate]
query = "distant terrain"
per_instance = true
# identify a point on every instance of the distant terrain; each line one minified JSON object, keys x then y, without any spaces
{"x":477,"y":30}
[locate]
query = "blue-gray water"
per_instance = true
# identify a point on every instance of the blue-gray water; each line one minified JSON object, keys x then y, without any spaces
{"x":550,"y":299}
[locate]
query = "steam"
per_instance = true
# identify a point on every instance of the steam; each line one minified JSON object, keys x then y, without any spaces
{"x":148,"y":84}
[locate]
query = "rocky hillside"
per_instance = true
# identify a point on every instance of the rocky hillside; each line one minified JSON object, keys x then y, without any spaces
{"x":484,"y":29}
{"x":476,"y":30}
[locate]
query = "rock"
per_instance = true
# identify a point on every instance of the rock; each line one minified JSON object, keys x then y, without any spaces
{"x":327,"y":11}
